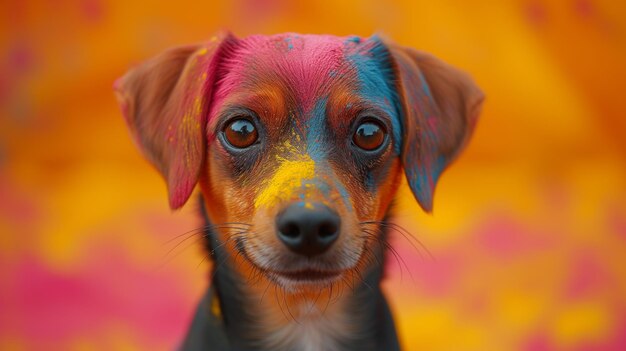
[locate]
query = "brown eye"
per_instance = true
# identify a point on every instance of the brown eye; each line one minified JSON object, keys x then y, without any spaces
{"x":241,"y":133}
{"x":369,"y":135}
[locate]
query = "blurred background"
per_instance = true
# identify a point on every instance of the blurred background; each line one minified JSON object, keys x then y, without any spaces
{"x":529,"y":226}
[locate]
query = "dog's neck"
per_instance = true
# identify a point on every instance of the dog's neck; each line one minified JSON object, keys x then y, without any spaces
{"x":353,"y":317}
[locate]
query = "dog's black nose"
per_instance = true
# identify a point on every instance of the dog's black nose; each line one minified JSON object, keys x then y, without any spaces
{"x":308,"y":229}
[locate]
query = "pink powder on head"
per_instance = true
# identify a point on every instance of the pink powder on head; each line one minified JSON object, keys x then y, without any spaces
{"x":305,"y":64}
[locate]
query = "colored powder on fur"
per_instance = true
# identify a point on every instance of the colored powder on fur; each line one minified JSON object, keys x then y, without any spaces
{"x":290,"y":176}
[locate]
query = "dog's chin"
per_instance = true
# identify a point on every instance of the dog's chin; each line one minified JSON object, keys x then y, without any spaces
{"x":306,"y":279}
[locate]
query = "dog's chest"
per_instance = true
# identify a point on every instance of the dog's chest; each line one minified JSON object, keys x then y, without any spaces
{"x":313,"y":330}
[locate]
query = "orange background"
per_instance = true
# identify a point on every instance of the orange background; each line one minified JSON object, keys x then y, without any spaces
{"x":529,"y":227}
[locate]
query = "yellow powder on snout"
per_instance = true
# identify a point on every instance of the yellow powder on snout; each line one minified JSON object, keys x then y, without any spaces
{"x":288,"y":178}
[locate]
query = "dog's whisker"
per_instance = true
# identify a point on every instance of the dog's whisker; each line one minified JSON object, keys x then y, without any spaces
{"x":212,"y":252}
{"x":340,"y":290}
{"x":276,"y":287}
{"x":360,"y":276}
{"x":371,"y":256}
{"x":169,"y":258}
{"x":265,"y":291}
{"x":330,"y":295}
{"x":226,"y":256}
{"x":286,"y":301}
{"x":399,"y":259}
{"x":204,"y":235}
{"x":204,"y":258}
{"x":190,"y":233}
{"x":408,"y":236}
{"x":169,"y":252}
{"x":391,"y":249}
{"x":218,"y":266}
{"x":315,"y":301}
{"x":352,"y":274}
{"x":208,"y":227}
{"x":420,"y":253}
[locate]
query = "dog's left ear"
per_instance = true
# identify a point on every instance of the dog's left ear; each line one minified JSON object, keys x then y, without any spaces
{"x":165,"y":102}
{"x":440,"y":107}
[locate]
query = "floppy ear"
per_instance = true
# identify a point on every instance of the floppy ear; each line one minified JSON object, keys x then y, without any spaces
{"x":165,"y":102}
{"x":440,"y":107}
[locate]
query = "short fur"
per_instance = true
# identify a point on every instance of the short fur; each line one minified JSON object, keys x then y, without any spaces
{"x":306,"y":94}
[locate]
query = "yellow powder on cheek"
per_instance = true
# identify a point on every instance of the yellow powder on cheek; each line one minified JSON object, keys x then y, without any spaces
{"x":288,"y":178}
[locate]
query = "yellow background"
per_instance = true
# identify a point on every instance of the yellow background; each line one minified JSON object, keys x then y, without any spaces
{"x":529,"y":226}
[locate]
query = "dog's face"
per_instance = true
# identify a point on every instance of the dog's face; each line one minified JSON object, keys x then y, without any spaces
{"x":298,"y":142}
{"x":304,"y":152}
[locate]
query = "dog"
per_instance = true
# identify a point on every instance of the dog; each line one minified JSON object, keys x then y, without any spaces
{"x":298,"y":144}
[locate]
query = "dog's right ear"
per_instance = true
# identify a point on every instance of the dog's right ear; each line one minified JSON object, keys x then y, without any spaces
{"x":165,"y":102}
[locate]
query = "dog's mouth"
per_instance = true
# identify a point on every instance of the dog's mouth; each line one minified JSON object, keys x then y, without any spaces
{"x":316,"y":275}
{"x":305,"y":277}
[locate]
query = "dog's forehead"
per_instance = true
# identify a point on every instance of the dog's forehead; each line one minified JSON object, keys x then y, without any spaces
{"x":305,"y":67}
{"x":312,"y":56}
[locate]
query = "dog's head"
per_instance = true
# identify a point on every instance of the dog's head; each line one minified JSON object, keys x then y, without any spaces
{"x":298,"y":142}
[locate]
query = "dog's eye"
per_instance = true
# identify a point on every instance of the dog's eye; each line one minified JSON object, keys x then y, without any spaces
{"x":241,"y":133}
{"x":369,"y":135}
